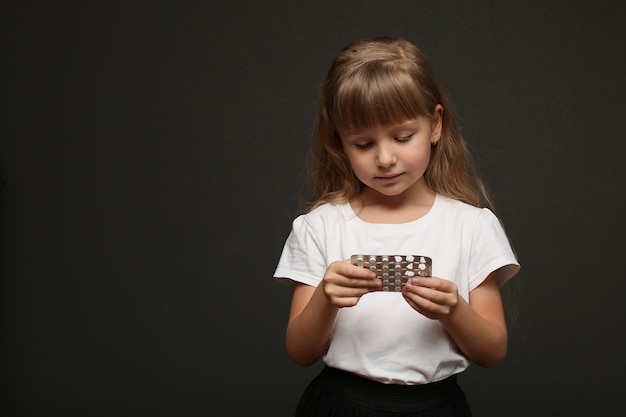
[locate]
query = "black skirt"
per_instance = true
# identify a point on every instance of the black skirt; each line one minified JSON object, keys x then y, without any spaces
{"x":336,"y":393}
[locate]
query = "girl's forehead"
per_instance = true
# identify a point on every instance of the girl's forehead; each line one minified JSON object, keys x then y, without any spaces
{"x":353,"y":112}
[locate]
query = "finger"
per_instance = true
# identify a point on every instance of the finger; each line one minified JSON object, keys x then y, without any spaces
{"x":345,"y":302}
{"x":435,"y":283}
{"x":354,"y":283}
{"x":425,"y":296}
{"x":354,"y":276}
{"x":416,"y":303}
{"x":341,"y":291}
{"x":345,"y":296}
{"x":356,"y":271}
{"x":428,"y":293}
{"x":424,"y":306}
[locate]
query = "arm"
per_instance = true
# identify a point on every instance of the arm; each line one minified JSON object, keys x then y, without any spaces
{"x":478,"y":327}
{"x":313,"y":310}
{"x":308,"y":332}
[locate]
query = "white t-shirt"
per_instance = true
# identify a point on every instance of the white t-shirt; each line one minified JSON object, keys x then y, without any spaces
{"x":382,"y":337}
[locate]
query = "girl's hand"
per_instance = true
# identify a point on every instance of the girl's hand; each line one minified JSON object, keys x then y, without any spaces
{"x":345,"y":284}
{"x":435,"y":298}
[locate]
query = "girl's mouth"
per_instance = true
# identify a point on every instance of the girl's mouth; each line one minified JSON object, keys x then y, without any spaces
{"x":388,"y":178}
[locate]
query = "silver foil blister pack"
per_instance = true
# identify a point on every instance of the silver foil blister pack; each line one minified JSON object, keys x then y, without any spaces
{"x":394,"y":270}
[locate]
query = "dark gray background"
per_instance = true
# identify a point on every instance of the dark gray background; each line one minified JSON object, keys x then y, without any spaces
{"x":152,"y":154}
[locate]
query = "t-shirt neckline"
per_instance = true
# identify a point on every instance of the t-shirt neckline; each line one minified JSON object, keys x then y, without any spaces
{"x":348,"y":210}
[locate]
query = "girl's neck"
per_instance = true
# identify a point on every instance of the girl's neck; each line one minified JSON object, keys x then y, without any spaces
{"x":373,"y":207}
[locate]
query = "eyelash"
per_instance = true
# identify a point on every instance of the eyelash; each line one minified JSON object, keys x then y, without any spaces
{"x":401,"y":139}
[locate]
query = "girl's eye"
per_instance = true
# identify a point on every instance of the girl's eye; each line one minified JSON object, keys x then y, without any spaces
{"x":404,"y":138}
{"x":363,"y":145}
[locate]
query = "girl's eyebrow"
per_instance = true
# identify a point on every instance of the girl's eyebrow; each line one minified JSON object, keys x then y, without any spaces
{"x":354,"y":136}
{"x":407,"y":123}
{"x":405,"y":127}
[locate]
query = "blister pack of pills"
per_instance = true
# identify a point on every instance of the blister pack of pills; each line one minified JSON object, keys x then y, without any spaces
{"x":394,"y":270}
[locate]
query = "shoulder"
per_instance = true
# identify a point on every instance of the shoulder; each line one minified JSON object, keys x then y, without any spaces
{"x":489,"y":247}
{"x":450,"y":206}
{"x":323,"y":215}
{"x":460,"y":213}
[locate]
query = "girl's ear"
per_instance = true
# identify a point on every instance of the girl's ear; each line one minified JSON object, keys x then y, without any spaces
{"x":437,"y":123}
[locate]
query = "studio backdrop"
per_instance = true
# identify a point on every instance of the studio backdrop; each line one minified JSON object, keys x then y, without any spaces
{"x":152,"y":154}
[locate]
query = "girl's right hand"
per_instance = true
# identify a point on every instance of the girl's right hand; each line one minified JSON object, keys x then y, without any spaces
{"x":345,"y":284}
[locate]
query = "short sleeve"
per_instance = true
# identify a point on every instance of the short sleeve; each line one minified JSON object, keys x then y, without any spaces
{"x":490,"y":251}
{"x":302,"y":259}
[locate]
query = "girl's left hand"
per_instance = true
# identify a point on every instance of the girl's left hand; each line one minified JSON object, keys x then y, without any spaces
{"x":435,"y":298}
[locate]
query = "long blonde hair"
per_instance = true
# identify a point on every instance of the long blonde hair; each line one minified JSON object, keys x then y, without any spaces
{"x":383,"y":81}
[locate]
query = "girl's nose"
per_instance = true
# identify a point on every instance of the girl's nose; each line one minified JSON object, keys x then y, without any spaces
{"x":385,"y":157}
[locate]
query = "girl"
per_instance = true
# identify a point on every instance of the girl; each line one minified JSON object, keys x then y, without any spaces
{"x":391,"y":175}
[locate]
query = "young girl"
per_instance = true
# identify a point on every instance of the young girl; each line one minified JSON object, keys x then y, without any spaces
{"x":391,"y":175}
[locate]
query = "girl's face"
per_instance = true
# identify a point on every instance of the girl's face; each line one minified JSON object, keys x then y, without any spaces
{"x":392,"y":159}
